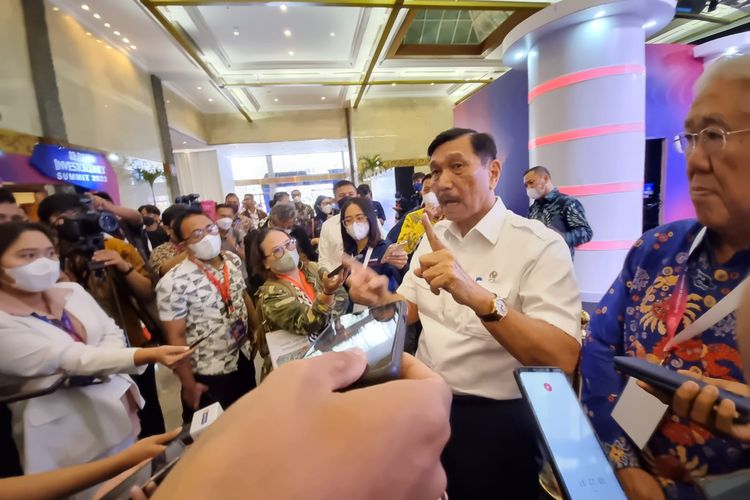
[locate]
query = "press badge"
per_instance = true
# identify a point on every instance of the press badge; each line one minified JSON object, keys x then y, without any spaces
{"x":238,"y":332}
{"x":638,"y":413}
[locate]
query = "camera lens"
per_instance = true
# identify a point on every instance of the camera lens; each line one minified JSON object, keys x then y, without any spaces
{"x":108,"y":222}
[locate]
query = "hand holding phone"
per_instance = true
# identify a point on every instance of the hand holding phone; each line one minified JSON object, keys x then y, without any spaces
{"x":196,"y":342}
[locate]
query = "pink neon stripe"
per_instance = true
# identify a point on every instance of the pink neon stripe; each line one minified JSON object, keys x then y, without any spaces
{"x":582,"y":76}
{"x":582,"y":133}
{"x":592,"y":189}
{"x":604,"y":245}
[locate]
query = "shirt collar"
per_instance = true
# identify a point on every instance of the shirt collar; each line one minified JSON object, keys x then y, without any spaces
{"x":489,"y":226}
{"x":56,"y":298}
{"x":553,"y":195}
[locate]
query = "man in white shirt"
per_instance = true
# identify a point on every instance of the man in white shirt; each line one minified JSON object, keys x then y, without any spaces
{"x":331,"y":244}
{"x":494,"y":291}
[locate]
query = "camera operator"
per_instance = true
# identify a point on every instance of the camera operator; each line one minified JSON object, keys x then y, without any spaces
{"x":152,"y":223}
{"x":130,"y":222}
{"x":113,"y":272}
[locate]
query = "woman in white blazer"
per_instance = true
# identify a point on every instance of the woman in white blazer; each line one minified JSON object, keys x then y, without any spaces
{"x":48,"y":327}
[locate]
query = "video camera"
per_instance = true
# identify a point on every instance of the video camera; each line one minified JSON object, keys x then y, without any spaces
{"x":190,"y":200}
{"x":84,"y":232}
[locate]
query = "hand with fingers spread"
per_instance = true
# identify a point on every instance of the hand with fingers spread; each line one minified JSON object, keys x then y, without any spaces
{"x":700,"y":404}
{"x":366,"y":287}
{"x":386,"y":440}
{"x":442,"y":271}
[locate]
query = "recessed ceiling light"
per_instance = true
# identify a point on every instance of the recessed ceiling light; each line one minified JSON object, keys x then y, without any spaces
{"x":291,"y":52}
{"x":431,"y":84}
{"x":125,"y":40}
{"x":109,"y":46}
{"x":88,"y":33}
{"x":282,"y":8}
{"x":323,"y":98}
{"x":85,"y":7}
{"x":331,"y":34}
{"x":107,"y":25}
{"x":97,"y":16}
{"x":210,"y":100}
{"x":184,"y":142}
{"x":55,"y":8}
{"x":117,"y":33}
{"x":236,"y":32}
{"x":287,"y":33}
{"x":393,"y":84}
{"x":98,"y":41}
{"x":133,"y":47}
{"x":199,"y":88}
{"x":168,"y":101}
{"x":276,"y":100}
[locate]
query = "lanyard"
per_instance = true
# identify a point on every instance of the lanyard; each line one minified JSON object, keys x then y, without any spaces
{"x":303,"y":285}
{"x":64,"y":323}
{"x":223,"y":288}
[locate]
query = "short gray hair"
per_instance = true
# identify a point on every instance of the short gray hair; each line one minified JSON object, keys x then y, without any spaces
{"x":282,"y":212}
{"x":728,"y":67}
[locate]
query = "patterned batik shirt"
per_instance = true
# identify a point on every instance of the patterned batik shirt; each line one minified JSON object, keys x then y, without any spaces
{"x":305,"y":216}
{"x":565,"y":215}
{"x":630,"y":320}
{"x":186,"y":292}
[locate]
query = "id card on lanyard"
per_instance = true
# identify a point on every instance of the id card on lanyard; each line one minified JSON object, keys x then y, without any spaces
{"x":237,"y":329}
{"x":64,"y":323}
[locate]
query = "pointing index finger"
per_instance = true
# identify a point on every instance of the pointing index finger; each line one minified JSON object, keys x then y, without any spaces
{"x":435,"y":242}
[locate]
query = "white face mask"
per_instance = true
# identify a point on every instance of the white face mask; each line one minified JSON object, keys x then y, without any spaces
{"x":36,"y":276}
{"x":358,"y":230}
{"x":224,"y":223}
{"x":533,"y":193}
{"x":326,"y":209}
{"x":207,"y":248}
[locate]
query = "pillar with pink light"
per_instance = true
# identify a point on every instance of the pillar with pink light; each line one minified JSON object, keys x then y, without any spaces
{"x":586,"y":72}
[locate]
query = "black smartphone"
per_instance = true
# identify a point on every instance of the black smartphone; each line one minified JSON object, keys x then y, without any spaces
{"x":26,"y":388}
{"x":669,"y":381}
{"x":152,"y":472}
{"x":336,"y":271}
{"x":196,"y":342}
{"x":577,"y":457}
{"x":378,"y":331}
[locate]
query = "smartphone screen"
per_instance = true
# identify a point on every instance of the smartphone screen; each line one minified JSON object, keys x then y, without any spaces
{"x":569,"y":437}
{"x":378,"y":331}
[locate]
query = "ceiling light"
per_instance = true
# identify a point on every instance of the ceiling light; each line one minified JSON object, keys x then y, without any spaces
{"x":109,"y":47}
{"x":599,"y":14}
{"x":107,"y":25}
{"x":649,"y":24}
{"x":291,"y":52}
{"x":97,"y":16}
{"x":168,"y":101}
{"x":236,"y":32}
{"x":287,"y":33}
{"x":117,"y":33}
{"x":323,"y":98}
{"x":331,"y":34}
{"x":432,"y":84}
{"x":98,"y":41}
{"x":133,"y":47}
{"x":276,"y":100}
{"x":88,"y":33}
{"x":125,"y":40}
{"x":184,"y":142}
{"x":282,"y":7}
{"x":393,"y":84}
{"x":210,"y":100}
{"x":55,"y":8}
{"x":199,"y":88}
{"x":85,"y":7}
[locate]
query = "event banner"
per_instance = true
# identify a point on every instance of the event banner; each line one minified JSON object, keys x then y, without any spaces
{"x":85,"y":169}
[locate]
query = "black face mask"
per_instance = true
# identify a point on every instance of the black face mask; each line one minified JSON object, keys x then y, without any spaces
{"x":148,"y":220}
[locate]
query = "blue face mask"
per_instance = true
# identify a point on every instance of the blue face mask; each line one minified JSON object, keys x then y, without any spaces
{"x":417,"y":186}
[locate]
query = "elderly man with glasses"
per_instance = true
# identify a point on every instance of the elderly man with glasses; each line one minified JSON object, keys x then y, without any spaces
{"x":203,"y":303}
{"x":673,"y":275}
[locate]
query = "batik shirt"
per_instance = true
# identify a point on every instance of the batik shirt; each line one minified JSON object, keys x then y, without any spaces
{"x":305,"y":216}
{"x":630,"y":320}
{"x":565,"y":215}
{"x":186,"y":292}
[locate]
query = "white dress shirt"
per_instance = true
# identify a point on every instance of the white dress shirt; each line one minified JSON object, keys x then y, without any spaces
{"x":520,"y":261}
{"x":331,"y":243}
{"x":77,"y":424}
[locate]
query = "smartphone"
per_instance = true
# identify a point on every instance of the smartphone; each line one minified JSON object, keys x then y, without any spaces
{"x":378,"y":331}
{"x":152,"y":472}
{"x":581,"y":467}
{"x":195,"y":343}
{"x":27,"y":388}
{"x":336,"y":271}
{"x":669,"y":381}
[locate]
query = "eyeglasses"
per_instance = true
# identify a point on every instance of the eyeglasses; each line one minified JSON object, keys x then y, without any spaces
{"x":198,"y":234}
{"x":278,"y":252}
{"x":712,"y":140}
{"x":348,"y":221}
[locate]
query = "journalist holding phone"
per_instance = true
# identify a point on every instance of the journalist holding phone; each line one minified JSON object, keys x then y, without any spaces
{"x":48,"y":327}
{"x":673,"y":277}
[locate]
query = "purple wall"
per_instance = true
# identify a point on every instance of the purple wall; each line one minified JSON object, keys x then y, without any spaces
{"x":671,"y":72}
{"x":501,"y":109}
